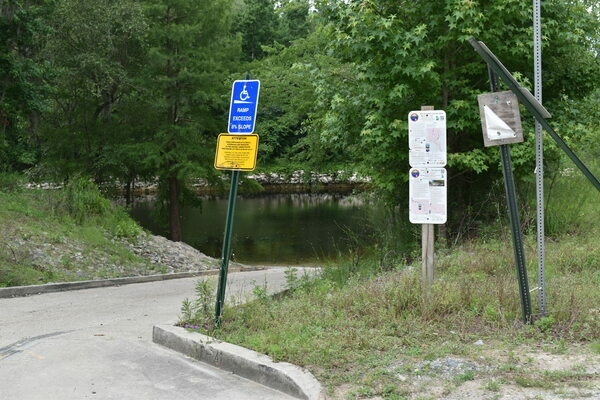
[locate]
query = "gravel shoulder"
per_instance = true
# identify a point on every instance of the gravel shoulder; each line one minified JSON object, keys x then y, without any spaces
{"x":71,"y":259}
{"x":171,"y":256}
{"x":41,"y":242}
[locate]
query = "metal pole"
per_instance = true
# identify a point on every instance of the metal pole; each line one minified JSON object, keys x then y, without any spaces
{"x":235,"y":175}
{"x":539,"y":157}
{"x":513,"y":213}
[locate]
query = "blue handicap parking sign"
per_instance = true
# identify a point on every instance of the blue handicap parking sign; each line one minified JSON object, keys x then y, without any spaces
{"x":242,"y":111}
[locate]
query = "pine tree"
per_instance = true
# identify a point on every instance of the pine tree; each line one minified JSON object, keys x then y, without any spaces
{"x":191,"y":50}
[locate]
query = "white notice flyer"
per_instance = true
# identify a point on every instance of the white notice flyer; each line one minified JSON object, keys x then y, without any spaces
{"x":428,"y":195}
{"x":427,"y":138}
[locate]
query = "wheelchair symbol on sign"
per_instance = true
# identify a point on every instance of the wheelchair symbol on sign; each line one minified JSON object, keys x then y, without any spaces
{"x":244,"y":96}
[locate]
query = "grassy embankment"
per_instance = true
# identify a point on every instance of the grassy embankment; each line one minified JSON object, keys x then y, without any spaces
{"x":62,"y":235}
{"x":366,"y":332}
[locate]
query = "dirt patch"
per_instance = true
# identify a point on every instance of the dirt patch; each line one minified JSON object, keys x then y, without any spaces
{"x":518,"y":373}
{"x":480,"y":389}
{"x":562,"y":362}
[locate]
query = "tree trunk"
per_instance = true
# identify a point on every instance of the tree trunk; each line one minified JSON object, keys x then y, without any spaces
{"x":174,"y":217}
{"x":128,"y":193}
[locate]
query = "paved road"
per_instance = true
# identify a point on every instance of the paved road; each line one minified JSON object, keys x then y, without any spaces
{"x":97,"y":344}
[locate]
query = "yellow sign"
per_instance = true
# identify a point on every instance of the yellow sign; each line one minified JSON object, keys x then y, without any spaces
{"x":236,"y":152}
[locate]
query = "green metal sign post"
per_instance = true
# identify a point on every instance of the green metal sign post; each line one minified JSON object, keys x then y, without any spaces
{"x":533,"y":105}
{"x":226,"y":253}
{"x":515,"y":223}
{"x":513,"y":212}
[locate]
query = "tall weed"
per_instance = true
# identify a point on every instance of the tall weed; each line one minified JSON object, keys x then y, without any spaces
{"x":11,"y":182}
{"x":83,"y":200}
{"x":199,"y":311}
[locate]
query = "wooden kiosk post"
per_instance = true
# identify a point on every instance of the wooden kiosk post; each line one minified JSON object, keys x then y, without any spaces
{"x":427,"y":244}
{"x":427,"y":180}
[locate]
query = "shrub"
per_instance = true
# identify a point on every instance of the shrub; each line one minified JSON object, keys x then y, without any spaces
{"x":124,"y":226}
{"x":199,"y":312}
{"x":545,"y":323}
{"x":82,"y":199}
{"x":11,"y":182}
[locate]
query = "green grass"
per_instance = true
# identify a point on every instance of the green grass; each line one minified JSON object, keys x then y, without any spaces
{"x":352,"y":330}
{"x":492,"y":386}
{"x":552,"y":379}
{"x":76,"y":224}
{"x":467,"y":376}
{"x":572,"y":202}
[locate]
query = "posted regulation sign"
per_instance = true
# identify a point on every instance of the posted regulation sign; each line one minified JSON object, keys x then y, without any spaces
{"x":427,"y":180}
{"x":427,"y":138}
{"x":242,"y":109}
{"x":427,"y":193}
{"x":236,"y":152}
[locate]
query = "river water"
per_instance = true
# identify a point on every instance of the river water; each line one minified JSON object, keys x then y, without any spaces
{"x":300,"y":229}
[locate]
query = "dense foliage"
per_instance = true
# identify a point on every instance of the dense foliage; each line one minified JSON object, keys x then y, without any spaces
{"x":138,"y":89}
{"x":403,"y":55}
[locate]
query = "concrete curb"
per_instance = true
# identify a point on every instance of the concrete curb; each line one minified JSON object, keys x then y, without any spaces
{"x":19,"y":291}
{"x":285,"y":377}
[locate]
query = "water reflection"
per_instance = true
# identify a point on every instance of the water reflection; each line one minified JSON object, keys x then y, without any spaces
{"x":274,"y":228}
